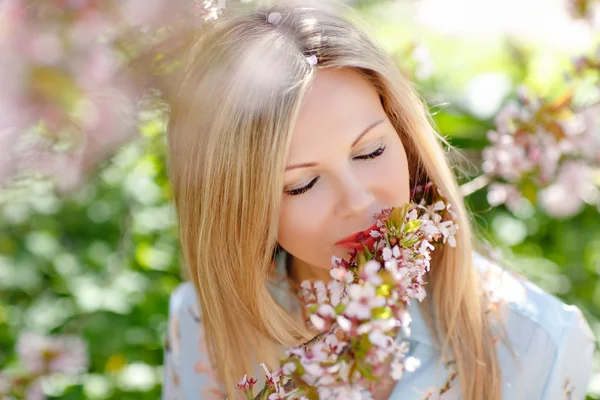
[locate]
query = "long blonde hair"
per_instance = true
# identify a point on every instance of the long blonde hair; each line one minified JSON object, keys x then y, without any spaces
{"x":232,"y":116}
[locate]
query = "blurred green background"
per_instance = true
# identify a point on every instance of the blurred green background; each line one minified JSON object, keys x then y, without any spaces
{"x":102,"y":262}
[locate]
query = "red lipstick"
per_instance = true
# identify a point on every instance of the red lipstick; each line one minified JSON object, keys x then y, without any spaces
{"x":354,"y":241}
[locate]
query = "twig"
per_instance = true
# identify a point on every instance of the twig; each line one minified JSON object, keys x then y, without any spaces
{"x":321,"y":335}
{"x":474,"y":185}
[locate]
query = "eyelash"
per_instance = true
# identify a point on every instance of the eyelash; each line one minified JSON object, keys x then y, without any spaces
{"x":296,"y":192}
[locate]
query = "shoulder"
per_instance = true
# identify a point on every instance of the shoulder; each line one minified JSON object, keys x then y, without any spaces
{"x":183,"y":298}
{"x":188,"y":371}
{"x":184,"y":315}
{"x":548,"y":337}
{"x":523,"y":298}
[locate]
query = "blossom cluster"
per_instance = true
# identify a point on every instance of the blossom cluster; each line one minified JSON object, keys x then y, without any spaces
{"x":361,"y":314}
{"x":67,"y":98}
{"x":546,"y":152}
{"x":587,"y":63}
{"x":586,"y":9}
{"x":42,"y":356}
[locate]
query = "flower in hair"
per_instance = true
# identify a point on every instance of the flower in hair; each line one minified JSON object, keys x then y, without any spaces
{"x":274,"y":18}
{"x":312,"y":60}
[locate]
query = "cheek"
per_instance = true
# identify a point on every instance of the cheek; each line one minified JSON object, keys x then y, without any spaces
{"x":299,"y":224}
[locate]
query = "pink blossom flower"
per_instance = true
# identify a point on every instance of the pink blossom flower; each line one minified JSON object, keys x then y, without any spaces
{"x":380,"y":339}
{"x":362,"y":301}
{"x":344,"y":392}
{"x":288,"y":368}
{"x":567,"y":195}
{"x":278,"y":395}
{"x":52,"y":354}
{"x":369,"y":273}
{"x":246,"y":384}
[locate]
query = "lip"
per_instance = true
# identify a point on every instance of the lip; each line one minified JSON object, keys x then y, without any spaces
{"x":350,"y":242}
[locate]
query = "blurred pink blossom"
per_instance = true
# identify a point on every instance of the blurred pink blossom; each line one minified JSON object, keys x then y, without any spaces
{"x":52,"y":354}
{"x":5,"y":385}
{"x":571,"y":190}
{"x":8,"y":138}
{"x":35,"y":391}
{"x":501,"y":193}
{"x":588,"y":10}
{"x":66,"y":80}
{"x":152,"y":14}
{"x":546,"y":149}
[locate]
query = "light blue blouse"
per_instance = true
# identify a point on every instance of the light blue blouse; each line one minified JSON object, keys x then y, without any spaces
{"x":552,"y":342}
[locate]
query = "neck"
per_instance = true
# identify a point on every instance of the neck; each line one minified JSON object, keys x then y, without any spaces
{"x":300,"y":271}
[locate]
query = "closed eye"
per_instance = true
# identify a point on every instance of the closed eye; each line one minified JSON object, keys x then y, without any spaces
{"x":296,"y":192}
{"x":374,"y":154}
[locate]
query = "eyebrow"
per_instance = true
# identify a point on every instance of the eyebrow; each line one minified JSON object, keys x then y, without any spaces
{"x":363,"y":133}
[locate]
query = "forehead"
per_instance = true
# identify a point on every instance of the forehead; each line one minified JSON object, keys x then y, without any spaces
{"x":338,"y":106}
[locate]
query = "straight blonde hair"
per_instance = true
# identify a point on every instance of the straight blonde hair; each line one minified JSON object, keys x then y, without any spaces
{"x":232,"y":116}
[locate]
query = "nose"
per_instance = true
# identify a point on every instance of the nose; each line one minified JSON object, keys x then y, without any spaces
{"x":355,"y":198}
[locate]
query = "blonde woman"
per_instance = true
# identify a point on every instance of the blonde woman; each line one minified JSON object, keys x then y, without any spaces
{"x":289,"y":130}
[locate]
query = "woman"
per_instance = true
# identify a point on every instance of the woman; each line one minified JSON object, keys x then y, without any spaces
{"x":289,"y":130}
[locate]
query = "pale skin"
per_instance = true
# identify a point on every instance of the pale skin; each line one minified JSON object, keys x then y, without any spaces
{"x":350,"y":189}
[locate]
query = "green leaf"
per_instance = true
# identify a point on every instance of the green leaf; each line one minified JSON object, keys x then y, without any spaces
{"x":366,"y":371}
{"x":397,"y":215}
{"x":412,"y":226}
{"x":382,"y":312}
{"x":409,"y":242}
{"x":529,"y":190}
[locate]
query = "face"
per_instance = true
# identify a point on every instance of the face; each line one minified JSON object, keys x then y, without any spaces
{"x":345,"y":164}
